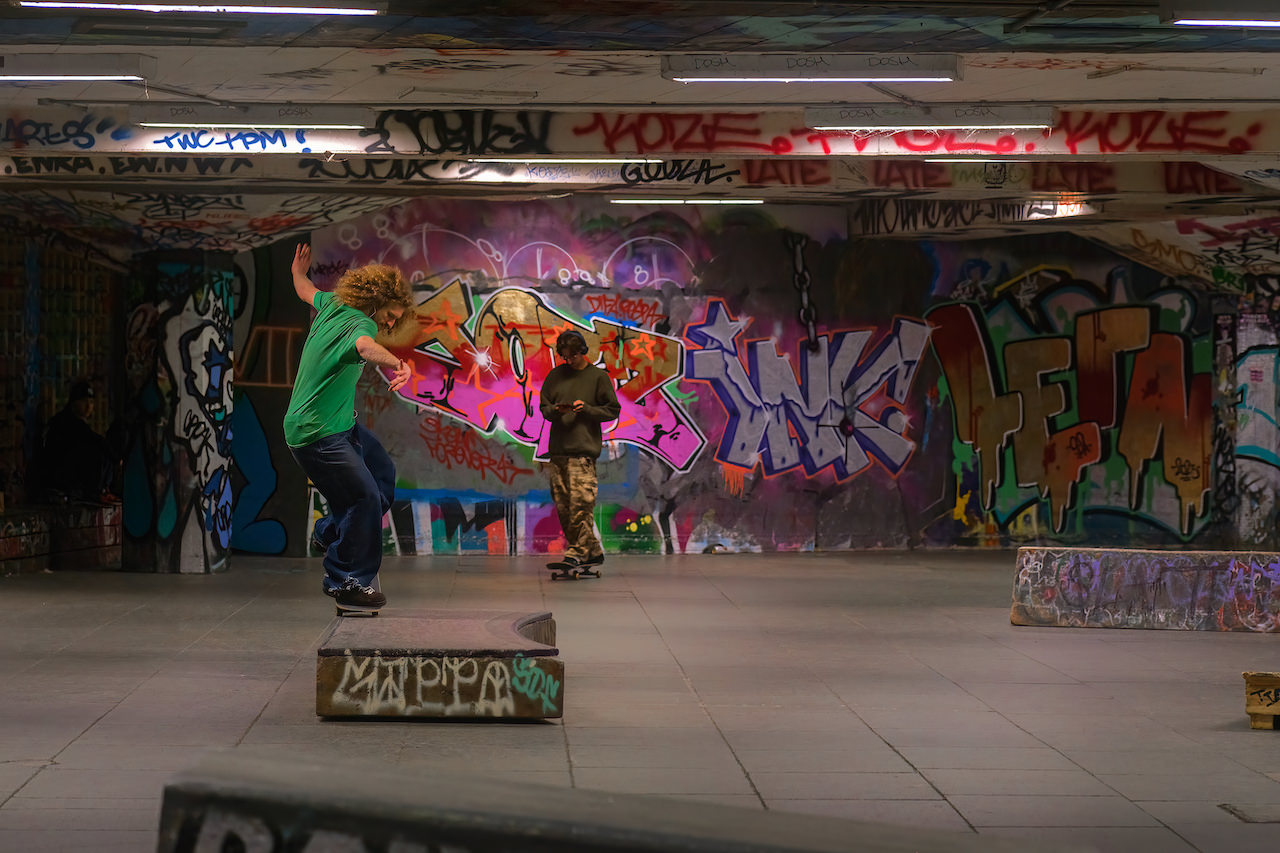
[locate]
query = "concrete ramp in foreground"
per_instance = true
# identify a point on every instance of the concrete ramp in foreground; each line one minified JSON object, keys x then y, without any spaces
{"x":441,"y":663}
{"x":1126,"y":588}
{"x":236,"y":802}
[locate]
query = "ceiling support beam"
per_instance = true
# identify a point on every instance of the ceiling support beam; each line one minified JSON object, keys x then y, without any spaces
{"x":1019,"y":24}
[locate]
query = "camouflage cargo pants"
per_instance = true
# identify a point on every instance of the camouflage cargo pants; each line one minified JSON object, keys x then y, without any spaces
{"x":573,"y":488}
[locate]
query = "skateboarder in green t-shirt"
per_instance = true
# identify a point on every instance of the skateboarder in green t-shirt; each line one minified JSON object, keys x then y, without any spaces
{"x":345,"y":460}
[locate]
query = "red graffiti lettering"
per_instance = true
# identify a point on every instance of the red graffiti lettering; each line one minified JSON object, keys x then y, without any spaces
{"x":643,"y":133}
{"x":1237,"y":234}
{"x":461,"y":448}
{"x":804,"y":173}
{"x":1198,"y":179}
{"x":911,"y":174}
{"x":1154,"y":131}
{"x":932,"y":142}
{"x":1073,"y":177}
{"x":642,"y":312}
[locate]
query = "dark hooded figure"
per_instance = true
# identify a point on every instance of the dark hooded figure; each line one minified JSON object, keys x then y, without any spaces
{"x":576,"y":398}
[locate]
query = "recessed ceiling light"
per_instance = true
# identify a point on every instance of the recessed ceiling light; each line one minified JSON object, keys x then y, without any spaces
{"x":280,"y":7}
{"x":686,"y":201}
{"x":1225,"y":13}
{"x":258,"y":116}
{"x":810,"y":68}
{"x":554,"y":161}
{"x":88,"y":67}
{"x":946,"y":117}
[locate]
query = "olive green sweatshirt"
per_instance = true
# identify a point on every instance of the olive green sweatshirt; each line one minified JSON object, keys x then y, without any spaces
{"x":578,"y":433}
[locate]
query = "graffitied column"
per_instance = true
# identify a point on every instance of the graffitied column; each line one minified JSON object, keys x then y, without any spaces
{"x":1226,"y":499}
{"x":177,"y":477}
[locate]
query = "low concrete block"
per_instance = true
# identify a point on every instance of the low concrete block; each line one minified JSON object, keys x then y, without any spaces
{"x":1262,"y":698}
{"x":441,"y":663}
{"x":236,"y":802}
{"x":1123,"y":588}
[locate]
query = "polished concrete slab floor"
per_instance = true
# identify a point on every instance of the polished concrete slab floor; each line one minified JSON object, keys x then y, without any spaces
{"x":878,"y":686}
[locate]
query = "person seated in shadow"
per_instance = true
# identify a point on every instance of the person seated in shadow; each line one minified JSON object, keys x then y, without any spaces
{"x":76,"y":461}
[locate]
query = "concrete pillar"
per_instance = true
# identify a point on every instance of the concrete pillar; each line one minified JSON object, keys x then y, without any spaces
{"x":177,"y":474}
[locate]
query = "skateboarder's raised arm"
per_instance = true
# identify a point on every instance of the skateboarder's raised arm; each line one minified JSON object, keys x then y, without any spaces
{"x":301,"y":281}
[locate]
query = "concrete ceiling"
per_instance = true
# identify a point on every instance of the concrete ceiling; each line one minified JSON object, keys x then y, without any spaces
{"x":1157,"y":124}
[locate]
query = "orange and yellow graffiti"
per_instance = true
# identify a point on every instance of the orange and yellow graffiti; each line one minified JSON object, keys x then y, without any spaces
{"x":1162,"y":412}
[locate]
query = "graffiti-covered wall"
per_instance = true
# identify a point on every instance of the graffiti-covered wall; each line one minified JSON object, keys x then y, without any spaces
{"x":177,"y":460}
{"x":1081,"y":392}
{"x":787,"y":387}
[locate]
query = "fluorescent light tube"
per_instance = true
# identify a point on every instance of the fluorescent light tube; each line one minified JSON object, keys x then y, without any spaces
{"x":1224,"y":22}
{"x":810,"y":68}
{"x":558,"y":161}
{"x":686,"y":201}
{"x":265,"y":116}
{"x":80,"y":67}
{"x":282,"y":7}
{"x":949,"y":117}
{"x":1227,"y":13}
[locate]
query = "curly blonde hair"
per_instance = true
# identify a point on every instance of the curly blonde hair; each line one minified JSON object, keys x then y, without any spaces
{"x":373,"y":286}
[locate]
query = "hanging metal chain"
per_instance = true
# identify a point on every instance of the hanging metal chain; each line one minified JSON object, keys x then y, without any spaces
{"x":802,"y":280}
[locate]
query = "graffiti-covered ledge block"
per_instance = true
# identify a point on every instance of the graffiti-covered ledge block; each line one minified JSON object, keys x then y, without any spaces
{"x":1262,"y":698}
{"x":441,"y":663}
{"x":1122,"y":588}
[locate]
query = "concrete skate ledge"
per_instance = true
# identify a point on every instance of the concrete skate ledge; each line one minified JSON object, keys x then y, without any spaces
{"x":1130,"y":588}
{"x":235,"y":801}
{"x":441,"y":663}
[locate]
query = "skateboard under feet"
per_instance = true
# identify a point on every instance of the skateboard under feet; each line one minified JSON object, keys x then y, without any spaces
{"x":570,"y":572}
{"x":356,"y":611}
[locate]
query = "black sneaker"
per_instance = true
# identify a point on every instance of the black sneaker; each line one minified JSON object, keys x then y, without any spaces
{"x":352,"y":596}
{"x":572,"y":563}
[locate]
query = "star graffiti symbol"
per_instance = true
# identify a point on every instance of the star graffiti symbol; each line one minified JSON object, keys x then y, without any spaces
{"x":553,"y":332}
{"x":720,"y":329}
{"x":215,"y":364}
{"x":644,"y":344}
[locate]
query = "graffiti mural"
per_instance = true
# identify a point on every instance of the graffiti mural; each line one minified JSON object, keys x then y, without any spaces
{"x":496,"y":284}
{"x":831,"y":415}
{"x":178,"y":490}
{"x":489,"y":377}
{"x":786,"y":386}
{"x":1074,"y":395}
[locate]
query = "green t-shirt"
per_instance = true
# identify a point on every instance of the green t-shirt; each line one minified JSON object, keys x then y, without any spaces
{"x":324,"y":393}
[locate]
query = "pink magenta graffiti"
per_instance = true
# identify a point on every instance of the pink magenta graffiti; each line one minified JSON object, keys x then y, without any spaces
{"x":486,"y":369}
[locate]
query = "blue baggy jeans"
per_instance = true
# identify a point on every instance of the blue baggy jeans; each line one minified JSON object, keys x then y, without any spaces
{"x":357,"y":477}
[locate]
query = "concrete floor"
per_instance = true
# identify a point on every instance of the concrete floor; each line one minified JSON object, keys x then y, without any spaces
{"x":879,"y":686}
